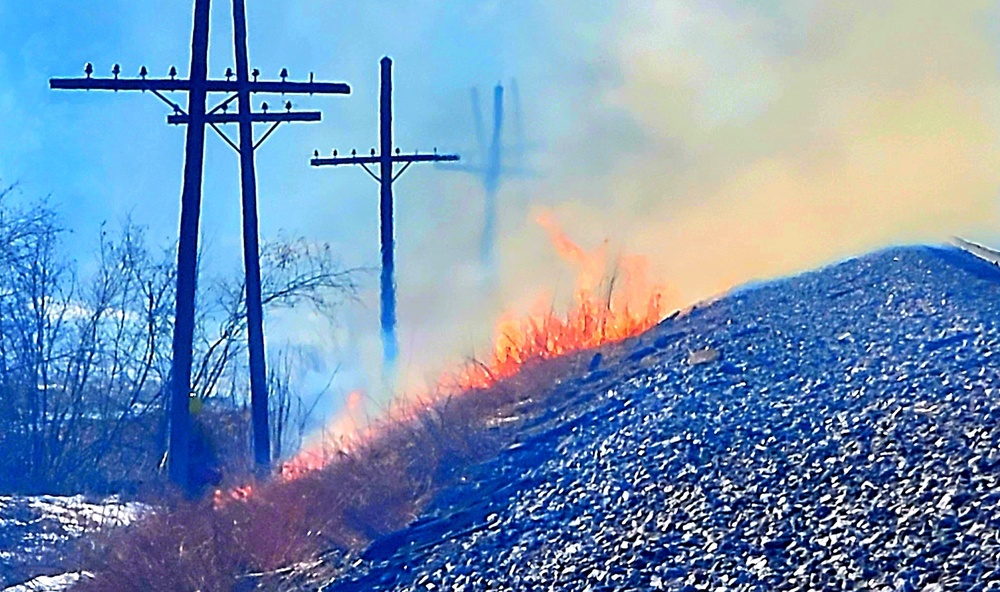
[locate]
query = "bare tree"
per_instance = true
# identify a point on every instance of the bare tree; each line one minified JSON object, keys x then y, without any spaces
{"x":294,"y":274}
{"x":34,"y":290}
{"x":84,"y":363}
{"x":290,"y":410}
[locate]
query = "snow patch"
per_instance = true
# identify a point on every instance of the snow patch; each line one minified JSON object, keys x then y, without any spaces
{"x":56,"y":583}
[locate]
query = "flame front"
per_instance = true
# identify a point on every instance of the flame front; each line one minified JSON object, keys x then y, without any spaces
{"x":607,"y":307}
{"x":339,"y":435}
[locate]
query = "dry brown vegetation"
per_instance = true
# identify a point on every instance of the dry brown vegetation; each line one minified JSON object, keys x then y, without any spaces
{"x":377,"y":488}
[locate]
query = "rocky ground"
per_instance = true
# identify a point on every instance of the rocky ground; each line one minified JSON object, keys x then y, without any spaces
{"x":838,"y":430}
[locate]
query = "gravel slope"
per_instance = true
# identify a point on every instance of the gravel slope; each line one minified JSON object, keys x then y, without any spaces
{"x":845,"y":437}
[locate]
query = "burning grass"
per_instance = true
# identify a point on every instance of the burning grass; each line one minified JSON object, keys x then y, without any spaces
{"x":377,"y":487}
{"x":337,"y":497}
{"x":604,"y":311}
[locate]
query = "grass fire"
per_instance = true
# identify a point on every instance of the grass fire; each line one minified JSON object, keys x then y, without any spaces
{"x":666,"y":304}
{"x":366,"y":480}
{"x":613,"y":299}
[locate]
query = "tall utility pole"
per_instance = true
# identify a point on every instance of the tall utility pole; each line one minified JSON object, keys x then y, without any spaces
{"x":492,"y":167}
{"x":198,"y":86}
{"x":385,"y":177}
{"x":251,"y":249}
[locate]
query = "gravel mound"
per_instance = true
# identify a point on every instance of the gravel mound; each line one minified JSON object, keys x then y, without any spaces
{"x":839,"y":430}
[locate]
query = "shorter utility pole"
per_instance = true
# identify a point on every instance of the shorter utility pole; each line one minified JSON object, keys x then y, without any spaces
{"x":492,"y":165}
{"x":385,"y":177}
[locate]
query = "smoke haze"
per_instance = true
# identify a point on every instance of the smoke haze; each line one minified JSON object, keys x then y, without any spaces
{"x":727,"y":142}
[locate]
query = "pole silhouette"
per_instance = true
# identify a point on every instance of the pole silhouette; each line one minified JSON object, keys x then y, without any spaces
{"x":385,"y":177}
{"x":251,"y":250}
{"x":387,"y":236}
{"x":187,"y":251}
{"x":491,"y":182}
{"x":492,"y":166}
{"x":196,"y":117}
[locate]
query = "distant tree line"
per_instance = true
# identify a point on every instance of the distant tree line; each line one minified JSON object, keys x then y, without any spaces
{"x":85,"y":358}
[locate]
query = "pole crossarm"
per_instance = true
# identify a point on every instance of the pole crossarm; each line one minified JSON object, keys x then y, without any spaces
{"x":182,"y":84}
{"x":239,"y":86}
{"x":406,"y":158}
{"x":425,"y":158}
{"x":180,"y":119}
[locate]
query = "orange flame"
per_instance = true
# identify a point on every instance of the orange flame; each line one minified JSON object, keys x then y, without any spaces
{"x":338,"y":436}
{"x":607,"y":308}
{"x":603,"y":312}
{"x":222,"y":497}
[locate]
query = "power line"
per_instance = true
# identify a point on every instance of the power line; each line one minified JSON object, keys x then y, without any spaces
{"x":198,"y":86}
{"x":385,"y":159}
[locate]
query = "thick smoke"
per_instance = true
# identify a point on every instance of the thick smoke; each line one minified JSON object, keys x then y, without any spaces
{"x":777,"y":139}
{"x":725,"y":141}
{"x":729,"y":142}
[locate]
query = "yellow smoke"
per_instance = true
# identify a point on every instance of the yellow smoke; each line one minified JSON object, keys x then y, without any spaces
{"x":726,"y":141}
{"x":775,"y":143}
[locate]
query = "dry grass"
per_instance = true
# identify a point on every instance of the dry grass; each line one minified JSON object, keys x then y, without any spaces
{"x":377,"y":488}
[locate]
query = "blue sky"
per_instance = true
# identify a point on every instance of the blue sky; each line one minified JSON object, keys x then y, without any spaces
{"x":104,"y":156}
{"x":727,"y":141}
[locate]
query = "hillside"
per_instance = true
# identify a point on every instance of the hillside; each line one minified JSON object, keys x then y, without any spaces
{"x":834,"y":430}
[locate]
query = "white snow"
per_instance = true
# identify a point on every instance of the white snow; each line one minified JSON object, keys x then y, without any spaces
{"x":56,"y":583}
{"x":38,"y":528}
{"x":78,"y":515}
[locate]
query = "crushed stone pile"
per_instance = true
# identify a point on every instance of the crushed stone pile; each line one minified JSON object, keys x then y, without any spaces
{"x":838,"y":430}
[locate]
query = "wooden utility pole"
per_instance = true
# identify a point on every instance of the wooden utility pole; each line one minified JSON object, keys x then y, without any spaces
{"x":492,"y":166}
{"x":491,"y":181}
{"x":385,"y":177}
{"x":198,"y":86}
{"x":187,"y":251}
